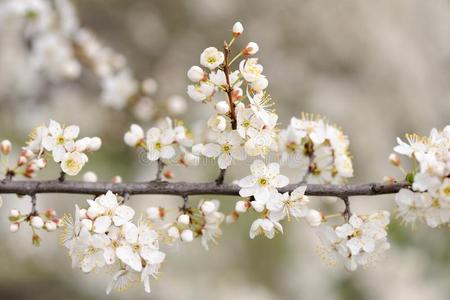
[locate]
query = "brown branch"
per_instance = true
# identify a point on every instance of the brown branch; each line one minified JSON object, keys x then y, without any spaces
{"x":229,"y":88}
{"x":185,"y":188}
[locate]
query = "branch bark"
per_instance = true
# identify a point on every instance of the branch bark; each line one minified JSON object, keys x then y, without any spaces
{"x":185,"y":188}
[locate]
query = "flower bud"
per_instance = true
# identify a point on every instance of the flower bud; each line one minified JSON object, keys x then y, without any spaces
{"x":14,"y":213}
{"x":37,"y":222}
{"x":389,"y":179}
{"x":173,"y":232}
{"x":208,"y":207}
{"x":117,"y":179}
{"x":394,"y":159}
{"x":241,"y":206}
{"x":176,"y":105}
{"x":149,"y":86}
{"x":41,"y":163}
{"x":94,"y":144}
{"x":313,"y":217}
{"x":86,"y":223}
{"x":251,"y":49}
{"x":168,"y":174}
{"x":260,"y":84}
{"x":183,"y":219}
{"x":191,"y":159}
{"x":90,"y":177}
{"x":21,"y":161}
{"x":238,"y":29}
{"x":59,"y":222}
{"x":229,"y":219}
{"x":5,"y":147}
{"x":222,"y":107}
{"x":195,"y":74}
{"x":153,"y":213}
{"x":50,"y":226}
{"x":50,"y":213}
{"x":92,"y":212}
{"x":82,"y":144}
{"x":14,"y":227}
{"x":27,"y":153}
{"x":187,"y":235}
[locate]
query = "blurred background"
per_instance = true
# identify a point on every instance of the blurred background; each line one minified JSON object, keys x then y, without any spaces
{"x":378,"y":69}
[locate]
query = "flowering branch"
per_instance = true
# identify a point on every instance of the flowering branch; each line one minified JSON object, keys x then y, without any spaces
{"x":186,"y":188}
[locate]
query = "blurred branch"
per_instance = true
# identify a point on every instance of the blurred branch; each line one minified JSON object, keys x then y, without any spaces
{"x":185,"y":188}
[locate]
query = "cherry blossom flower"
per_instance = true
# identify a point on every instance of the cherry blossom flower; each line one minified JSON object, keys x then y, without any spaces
{"x":227,"y":148}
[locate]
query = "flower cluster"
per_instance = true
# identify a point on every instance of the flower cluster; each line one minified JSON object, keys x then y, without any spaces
{"x":103,"y":236}
{"x":27,"y":165}
{"x":46,"y":220}
{"x":169,"y":142}
{"x":60,"y":48}
{"x":244,"y":123}
{"x":429,"y":199}
{"x":273,"y":206}
{"x":61,"y":142}
{"x":317,"y":148}
{"x":359,"y":242}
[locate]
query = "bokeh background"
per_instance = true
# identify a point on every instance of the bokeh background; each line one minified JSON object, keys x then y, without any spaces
{"x":378,"y":69}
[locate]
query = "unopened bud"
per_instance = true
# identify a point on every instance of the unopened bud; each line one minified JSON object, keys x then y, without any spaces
{"x":183,"y":219}
{"x":238,"y":29}
{"x":14,"y":227}
{"x":50,"y":226}
{"x":168,"y":174}
{"x":229,"y":219}
{"x":173,"y":232}
{"x":94,"y":144}
{"x":195,"y":74}
{"x":208,"y":207}
{"x":149,"y":86}
{"x":86,"y":223}
{"x":314,"y":217}
{"x":155,"y":213}
{"x":187,"y":235}
{"x":242,"y":206}
{"x":37,"y":222}
{"x":222,"y":107}
{"x":90,"y":177}
{"x":41,"y":163}
{"x":83,"y":213}
{"x":21,"y":161}
{"x":14,"y":213}
{"x":393,"y":158}
{"x":117,"y":179}
{"x":5,"y":147}
{"x":251,"y":49}
{"x":389,"y":179}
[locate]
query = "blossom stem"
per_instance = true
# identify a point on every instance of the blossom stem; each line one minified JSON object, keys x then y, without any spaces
{"x":221,"y":177}
{"x":347,"y":212}
{"x":184,"y":208}
{"x":159,"y":170}
{"x":229,"y":89}
{"x":62,"y":176}
{"x":33,"y":205}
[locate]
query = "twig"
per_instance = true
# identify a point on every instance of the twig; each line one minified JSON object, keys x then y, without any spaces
{"x":33,"y":205}
{"x":347,"y":212}
{"x":229,"y":88}
{"x":159,"y":170}
{"x":221,"y":176}
{"x":184,"y":208}
{"x":62,"y":176}
{"x":186,"y":188}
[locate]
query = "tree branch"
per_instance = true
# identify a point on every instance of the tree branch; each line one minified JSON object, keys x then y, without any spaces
{"x":185,"y":188}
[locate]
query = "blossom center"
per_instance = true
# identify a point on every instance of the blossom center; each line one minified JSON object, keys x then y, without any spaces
{"x":226,"y":148}
{"x":60,"y":140}
{"x":263,"y":181}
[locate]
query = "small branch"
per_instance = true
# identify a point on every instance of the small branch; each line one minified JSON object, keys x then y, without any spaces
{"x":186,"y":188}
{"x":347,"y":212}
{"x":185,"y":206}
{"x":62,"y":176}
{"x":229,"y":88}
{"x":33,"y":205}
{"x":221,"y":177}
{"x":159,"y":170}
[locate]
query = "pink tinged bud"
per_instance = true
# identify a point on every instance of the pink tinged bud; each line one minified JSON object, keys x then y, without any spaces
{"x":393,"y":158}
{"x":14,"y":227}
{"x":59,"y":222}
{"x":27,"y":153}
{"x":251,"y":49}
{"x":14,"y":213}
{"x":37,"y":222}
{"x":241,"y":206}
{"x":50,"y":213}
{"x":195,"y":74}
{"x":117,"y":179}
{"x":83,"y":213}
{"x":50,"y":226}
{"x":5,"y":147}
{"x":222,"y":107}
{"x":153,"y":213}
{"x":238,"y":29}
{"x":184,"y":219}
{"x":187,"y":235}
{"x":21,"y":161}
